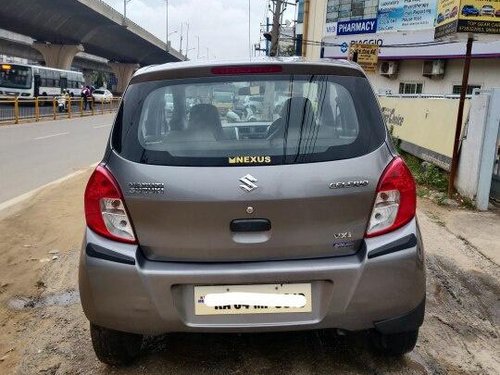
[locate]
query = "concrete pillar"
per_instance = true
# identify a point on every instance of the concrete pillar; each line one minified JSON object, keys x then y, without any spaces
{"x":123,"y":73}
{"x":58,"y":56}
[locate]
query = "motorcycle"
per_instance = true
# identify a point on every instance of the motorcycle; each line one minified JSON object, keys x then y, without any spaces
{"x":62,"y":104}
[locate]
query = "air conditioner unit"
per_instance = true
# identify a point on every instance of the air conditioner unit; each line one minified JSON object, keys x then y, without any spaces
{"x":433,"y":68}
{"x":388,"y":69}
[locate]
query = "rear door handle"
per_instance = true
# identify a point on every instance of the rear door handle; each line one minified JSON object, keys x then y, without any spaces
{"x":250,"y":225}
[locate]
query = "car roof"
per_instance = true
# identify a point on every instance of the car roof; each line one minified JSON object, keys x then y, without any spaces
{"x":296,"y":65}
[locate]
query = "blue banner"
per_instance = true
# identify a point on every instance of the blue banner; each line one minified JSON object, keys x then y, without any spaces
{"x":398,"y":15}
{"x":366,"y":26}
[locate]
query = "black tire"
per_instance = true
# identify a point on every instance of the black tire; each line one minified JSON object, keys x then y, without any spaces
{"x":114,"y":347}
{"x":394,"y":344}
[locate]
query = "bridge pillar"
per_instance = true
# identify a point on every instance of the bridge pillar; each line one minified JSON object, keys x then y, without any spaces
{"x":58,"y":56}
{"x":123,"y":73}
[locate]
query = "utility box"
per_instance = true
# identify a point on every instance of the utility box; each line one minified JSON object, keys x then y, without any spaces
{"x":433,"y":68}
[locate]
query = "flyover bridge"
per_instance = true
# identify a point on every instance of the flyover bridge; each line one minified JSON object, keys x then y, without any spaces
{"x":62,"y":28}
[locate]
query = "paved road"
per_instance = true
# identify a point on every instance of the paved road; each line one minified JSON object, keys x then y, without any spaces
{"x":32,"y":155}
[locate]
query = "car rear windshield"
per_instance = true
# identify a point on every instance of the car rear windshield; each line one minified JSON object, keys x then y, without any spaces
{"x":257,"y":120}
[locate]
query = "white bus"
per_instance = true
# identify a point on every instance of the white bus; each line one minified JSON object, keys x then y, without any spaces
{"x":30,"y":81}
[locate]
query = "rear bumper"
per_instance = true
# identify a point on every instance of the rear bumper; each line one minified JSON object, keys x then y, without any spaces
{"x":122,"y":290}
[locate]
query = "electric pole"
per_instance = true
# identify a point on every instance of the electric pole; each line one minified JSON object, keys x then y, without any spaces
{"x":275,"y":31}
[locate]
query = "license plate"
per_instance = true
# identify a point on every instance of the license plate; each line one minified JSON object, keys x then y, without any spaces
{"x":252,"y":299}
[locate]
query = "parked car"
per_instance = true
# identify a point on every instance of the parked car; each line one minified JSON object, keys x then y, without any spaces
{"x":440,"y":18}
{"x":305,"y":221}
{"x":470,"y":10}
{"x":497,"y":13}
{"x":102,"y":96}
{"x":447,"y":13}
{"x":487,"y":10}
{"x":454,"y":12}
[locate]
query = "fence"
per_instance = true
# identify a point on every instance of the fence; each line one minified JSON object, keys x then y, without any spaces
{"x":16,"y":110}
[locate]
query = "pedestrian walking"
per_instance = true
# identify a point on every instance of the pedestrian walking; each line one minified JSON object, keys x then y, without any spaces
{"x":87,"y":98}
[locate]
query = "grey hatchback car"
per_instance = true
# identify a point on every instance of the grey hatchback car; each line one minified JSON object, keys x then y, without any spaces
{"x":204,"y":216}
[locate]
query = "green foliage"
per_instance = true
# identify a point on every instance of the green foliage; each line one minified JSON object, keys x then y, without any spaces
{"x":395,"y":140}
{"x":428,"y":175}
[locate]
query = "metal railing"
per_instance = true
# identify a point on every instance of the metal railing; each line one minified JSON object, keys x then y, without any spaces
{"x":14,"y":111}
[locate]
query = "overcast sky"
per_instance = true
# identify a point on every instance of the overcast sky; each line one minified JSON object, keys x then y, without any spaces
{"x":222,"y":25}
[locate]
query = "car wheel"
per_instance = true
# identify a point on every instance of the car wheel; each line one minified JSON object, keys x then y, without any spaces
{"x":394,"y":344}
{"x":115,"y":347}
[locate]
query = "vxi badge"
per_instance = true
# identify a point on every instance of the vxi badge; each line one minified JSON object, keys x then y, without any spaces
{"x":348,"y":184}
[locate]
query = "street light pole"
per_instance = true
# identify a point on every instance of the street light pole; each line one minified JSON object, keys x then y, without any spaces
{"x":166,"y":26}
{"x":198,"y":54}
{"x":249,"y":29}
{"x":180,"y":43}
{"x":125,"y":2}
{"x":187,"y":39}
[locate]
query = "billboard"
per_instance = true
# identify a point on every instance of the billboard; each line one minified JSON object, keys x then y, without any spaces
{"x":400,"y":15}
{"x":479,"y":16}
{"x":468,"y":16}
{"x":446,"y":17}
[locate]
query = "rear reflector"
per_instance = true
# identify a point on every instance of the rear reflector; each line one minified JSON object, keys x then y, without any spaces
{"x":396,"y":200}
{"x":105,"y":210}
{"x":246,"y":69}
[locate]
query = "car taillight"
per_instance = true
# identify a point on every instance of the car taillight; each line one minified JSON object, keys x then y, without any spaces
{"x":105,"y":210}
{"x":246,"y":69}
{"x":396,"y":200}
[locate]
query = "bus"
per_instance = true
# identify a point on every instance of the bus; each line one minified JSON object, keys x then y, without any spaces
{"x":31,"y":81}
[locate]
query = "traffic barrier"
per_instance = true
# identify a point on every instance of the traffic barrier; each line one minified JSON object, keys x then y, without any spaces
{"x":16,"y":110}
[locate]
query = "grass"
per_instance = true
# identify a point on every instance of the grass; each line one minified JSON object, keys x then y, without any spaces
{"x":428,"y":176}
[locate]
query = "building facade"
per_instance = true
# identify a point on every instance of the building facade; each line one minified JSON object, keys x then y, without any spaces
{"x":411,"y":60}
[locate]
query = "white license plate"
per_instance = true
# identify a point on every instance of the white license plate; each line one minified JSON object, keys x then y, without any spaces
{"x":252,"y":299}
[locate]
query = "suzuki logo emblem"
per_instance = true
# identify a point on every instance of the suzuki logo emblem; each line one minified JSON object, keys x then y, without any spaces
{"x":248,"y":183}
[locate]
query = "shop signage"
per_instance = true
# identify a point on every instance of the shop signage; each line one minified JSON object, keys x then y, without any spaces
{"x":357,"y":27}
{"x":366,"y":55}
{"x":399,"y":15}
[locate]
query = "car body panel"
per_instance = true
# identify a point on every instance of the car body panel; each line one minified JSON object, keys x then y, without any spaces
{"x":350,"y":292}
{"x":185,"y":238}
{"x":190,"y":220}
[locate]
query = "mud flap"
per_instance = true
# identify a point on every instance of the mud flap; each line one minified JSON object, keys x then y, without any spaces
{"x":404,"y":323}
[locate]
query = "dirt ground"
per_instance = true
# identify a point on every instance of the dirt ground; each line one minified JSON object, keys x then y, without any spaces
{"x":43,"y":329}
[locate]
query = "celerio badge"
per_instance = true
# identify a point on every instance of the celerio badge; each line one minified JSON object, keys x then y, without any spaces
{"x":248,"y":183}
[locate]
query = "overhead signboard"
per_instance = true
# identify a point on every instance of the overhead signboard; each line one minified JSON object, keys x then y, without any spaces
{"x":409,"y":45}
{"x":367,"y":26}
{"x":446,"y":17}
{"x":479,"y":16}
{"x":400,"y":15}
{"x":467,"y":16}
{"x":366,"y":55}
{"x":349,"y":17}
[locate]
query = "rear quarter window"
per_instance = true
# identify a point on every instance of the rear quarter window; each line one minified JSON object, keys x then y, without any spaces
{"x":215,"y":121}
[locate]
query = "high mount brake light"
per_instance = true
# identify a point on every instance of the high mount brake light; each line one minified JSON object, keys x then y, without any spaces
{"x":105,"y":210}
{"x":395,"y":202}
{"x":246,"y":69}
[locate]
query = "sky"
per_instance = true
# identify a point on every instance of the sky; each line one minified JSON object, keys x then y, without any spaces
{"x":221,"y":25}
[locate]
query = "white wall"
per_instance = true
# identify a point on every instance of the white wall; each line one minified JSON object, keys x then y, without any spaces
{"x":483,"y":72}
